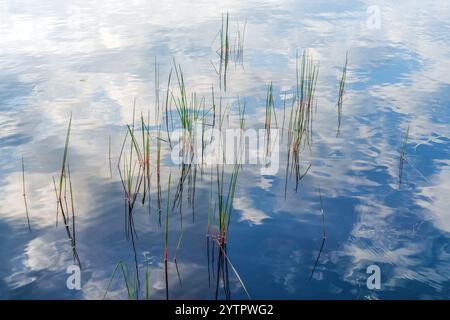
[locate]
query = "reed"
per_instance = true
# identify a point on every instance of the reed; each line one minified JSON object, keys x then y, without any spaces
{"x":157,"y":91}
{"x":63,"y":166}
{"x":203,"y":142}
{"x":270,"y":108}
{"x":178,"y":273}
{"x":135,"y":145}
{"x":147,"y":279}
{"x":284,"y":115}
{"x":224,"y":51}
{"x":72,"y":204}
{"x":166,"y":238}
{"x":181,"y":101}
{"x":210,"y":209}
{"x":166,"y":109}
{"x":158,"y":172}
{"x":306,"y":88}
{"x":300,"y":121}
{"x":188,"y":111}
{"x":213,"y":107}
{"x":184,"y":176}
{"x":341,"y":93}
{"x":63,"y":204}
{"x":192,"y":187}
{"x":147,"y":158}
{"x":270,"y":113}
{"x":57,"y":200}
{"x":324,"y":235}
{"x":24,"y":194}
{"x":145,"y":132}
{"x":241,"y":113}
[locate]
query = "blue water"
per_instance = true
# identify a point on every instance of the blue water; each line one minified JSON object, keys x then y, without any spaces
{"x":94,"y":58}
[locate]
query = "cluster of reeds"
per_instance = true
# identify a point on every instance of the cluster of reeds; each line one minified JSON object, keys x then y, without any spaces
{"x":134,"y":171}
{"x":300,"y":121}
{"x":192,"y":111}
{"x":218,"y":224}
{"x":194,"y":116}
{"x":218,"y":230}
{"x":134,"y":157}
{"x":230,"y":49}
{"x":134,"y":165}
{"x":65,"y":207}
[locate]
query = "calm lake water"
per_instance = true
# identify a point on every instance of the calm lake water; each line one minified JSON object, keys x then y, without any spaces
{"x":96,"y":59}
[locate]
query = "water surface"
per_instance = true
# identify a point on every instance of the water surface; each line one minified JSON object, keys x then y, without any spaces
{"x":93,"y":59}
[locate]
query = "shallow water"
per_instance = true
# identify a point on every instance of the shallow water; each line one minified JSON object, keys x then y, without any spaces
{"x":94,"y":58}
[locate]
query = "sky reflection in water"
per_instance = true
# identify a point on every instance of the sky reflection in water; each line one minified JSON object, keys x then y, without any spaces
{"x":93,"y":58}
